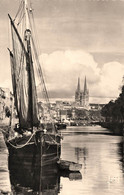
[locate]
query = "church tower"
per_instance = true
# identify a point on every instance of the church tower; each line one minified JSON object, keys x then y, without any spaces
{"x":85,"y":97}
{"x":78,"y":94}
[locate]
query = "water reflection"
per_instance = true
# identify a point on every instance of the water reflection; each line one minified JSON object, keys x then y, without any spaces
{"x":101,"y":159}
{"x":82,"y":153}
{"x":37,"y":180}
{"x":121,"y":153}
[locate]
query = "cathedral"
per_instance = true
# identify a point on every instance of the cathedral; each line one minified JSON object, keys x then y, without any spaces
{"x":82,"y":97}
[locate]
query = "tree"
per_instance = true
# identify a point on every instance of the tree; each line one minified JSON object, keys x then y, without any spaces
{"x":114,"y":110}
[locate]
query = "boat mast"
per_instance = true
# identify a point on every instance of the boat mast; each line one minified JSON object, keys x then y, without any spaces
{"x":26,"y":15}
{"x":29,"y":60}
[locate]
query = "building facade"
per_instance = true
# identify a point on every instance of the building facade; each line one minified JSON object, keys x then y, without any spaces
{"x":6,"y":101}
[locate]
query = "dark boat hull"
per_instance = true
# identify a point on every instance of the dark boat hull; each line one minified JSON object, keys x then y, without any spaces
{"x":38,"y":151}
{"x":61,"y":126}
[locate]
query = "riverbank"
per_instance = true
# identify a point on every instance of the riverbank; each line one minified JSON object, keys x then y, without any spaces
{"x":114,"y":127}
{"x":5,"y":186}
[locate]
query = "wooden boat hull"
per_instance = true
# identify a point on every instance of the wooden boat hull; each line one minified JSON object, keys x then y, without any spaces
{"x":38,"y":152}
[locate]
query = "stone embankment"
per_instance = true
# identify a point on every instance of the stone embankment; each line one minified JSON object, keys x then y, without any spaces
{"x":5,"y":186}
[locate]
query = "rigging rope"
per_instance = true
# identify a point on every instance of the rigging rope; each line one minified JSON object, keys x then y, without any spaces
{"x":38,"y":68}
{"x":19,"y":10}
{"x":21,"y":17}
{"x":40,"y":72}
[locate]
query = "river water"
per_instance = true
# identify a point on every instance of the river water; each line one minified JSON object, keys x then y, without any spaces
{"x":102,"y":158}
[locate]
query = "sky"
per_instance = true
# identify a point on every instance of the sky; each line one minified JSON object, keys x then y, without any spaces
{"x":77,"y":38}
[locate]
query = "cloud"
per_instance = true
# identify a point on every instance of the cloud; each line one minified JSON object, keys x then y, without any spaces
{"x":6,"y":84}
{"x":62,"y":69}
{"x":111,"y":78}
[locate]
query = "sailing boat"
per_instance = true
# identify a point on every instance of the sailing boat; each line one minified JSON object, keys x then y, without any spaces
{"x":34,"y":142}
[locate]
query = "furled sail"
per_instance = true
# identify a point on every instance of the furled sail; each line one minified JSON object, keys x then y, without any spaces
{"x":23,"y":82}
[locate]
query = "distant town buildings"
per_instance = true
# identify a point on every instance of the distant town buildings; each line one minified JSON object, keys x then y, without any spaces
{"x":2,"y":104}
{"x":59,"y":110}
{"x":82,"y":97}
{"x":5,"y":101}
{"x":94,"y":106}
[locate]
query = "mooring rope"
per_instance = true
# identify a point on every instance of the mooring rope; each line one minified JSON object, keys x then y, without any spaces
{"x":21,"y":146}
{"x":53,"y":140}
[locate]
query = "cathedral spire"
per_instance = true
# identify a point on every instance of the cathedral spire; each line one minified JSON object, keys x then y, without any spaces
{"x":78,"y":86}
{"x":78,"y":94}
{"x":85,"y":86}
